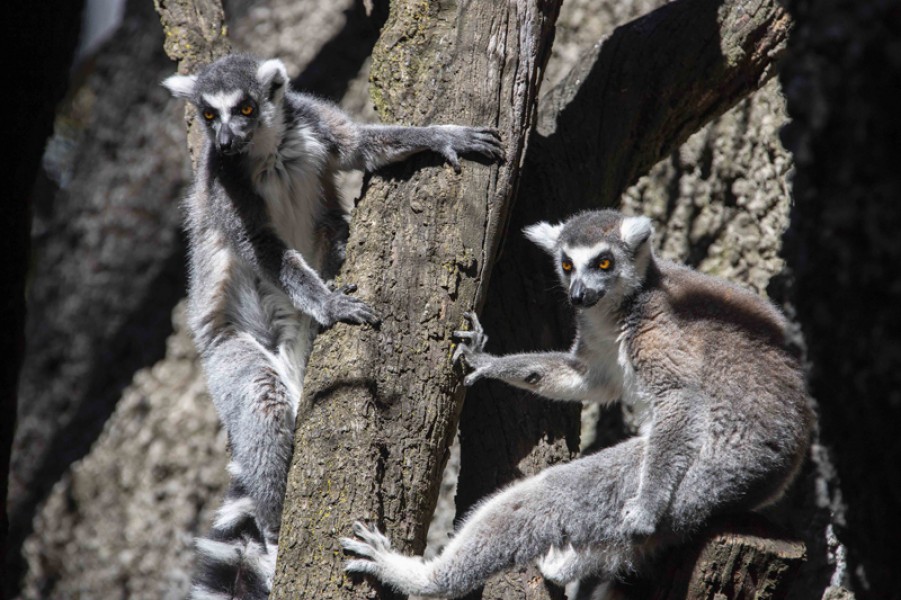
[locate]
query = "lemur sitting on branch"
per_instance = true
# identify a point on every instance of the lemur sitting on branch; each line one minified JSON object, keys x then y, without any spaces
{"x":728,"y":428}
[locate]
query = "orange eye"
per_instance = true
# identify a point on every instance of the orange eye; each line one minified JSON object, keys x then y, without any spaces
{"x":604,"y":264}
{"x":567,"y":265}
{"x":247,"y":110}
{"x":209,"y":115}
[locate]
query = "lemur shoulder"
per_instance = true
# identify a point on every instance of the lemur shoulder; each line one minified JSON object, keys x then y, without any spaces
{"x":266,"y":230}
{"x":728,"y":428}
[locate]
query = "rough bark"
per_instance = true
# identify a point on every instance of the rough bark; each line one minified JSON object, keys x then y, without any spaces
{"x":630,"y":100}
{"x":195,"y":35}
{"x":380,"y":408}
{"x":843,"y":87}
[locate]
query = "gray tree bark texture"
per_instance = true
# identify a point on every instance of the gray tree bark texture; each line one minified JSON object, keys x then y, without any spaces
{"x":380,"y":408}
{"x":843,"y":87}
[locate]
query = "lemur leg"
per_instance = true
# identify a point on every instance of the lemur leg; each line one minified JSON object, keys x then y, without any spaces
{"x":672,"y":448}
{"x":577,"y":504}
{"x":562,"y":566}
{"x":256,"y":396}
{"x":555,"y":375}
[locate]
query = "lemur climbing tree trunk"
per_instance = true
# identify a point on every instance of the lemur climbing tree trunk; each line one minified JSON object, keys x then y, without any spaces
{"x":380,"y":407}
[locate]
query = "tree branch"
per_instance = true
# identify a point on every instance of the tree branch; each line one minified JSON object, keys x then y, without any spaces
{"x":196,"y":35}
{"x":379,"y":408}
{"x":737,"y":557}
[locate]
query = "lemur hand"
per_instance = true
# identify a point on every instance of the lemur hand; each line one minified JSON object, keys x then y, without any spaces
{"x":458,"y":139}
{"x":471,"y":349}
{"x":339,"y":307}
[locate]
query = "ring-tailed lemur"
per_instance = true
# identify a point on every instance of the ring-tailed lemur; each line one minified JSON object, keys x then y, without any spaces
{"x":266,"y":227}
{"x":728,"y":428}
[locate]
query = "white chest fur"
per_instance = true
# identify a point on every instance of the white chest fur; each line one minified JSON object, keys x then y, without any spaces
{"x":599,"y":347}
{"x":288,"y":175}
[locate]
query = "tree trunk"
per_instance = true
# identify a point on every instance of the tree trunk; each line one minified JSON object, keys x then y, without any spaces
{"x":629,"y":101}
{"x":379,"y":408}
{"x":196,"y":35}
{"x":842,"y":78}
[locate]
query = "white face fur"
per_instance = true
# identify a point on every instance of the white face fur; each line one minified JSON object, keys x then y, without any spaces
{"x":236,"y":104}
{"x":604,"y":270}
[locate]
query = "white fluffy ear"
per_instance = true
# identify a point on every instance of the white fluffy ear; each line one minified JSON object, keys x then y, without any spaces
{"x":272,"y":74}
{"x":544,"y":234}
{"x":181,"y":86}
{"x":635,"y":231}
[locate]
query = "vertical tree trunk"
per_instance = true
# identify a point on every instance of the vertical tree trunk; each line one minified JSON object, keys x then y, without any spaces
{"x":380,"y":407}
{"x":196,"y":35}
{"x":842,"y":79}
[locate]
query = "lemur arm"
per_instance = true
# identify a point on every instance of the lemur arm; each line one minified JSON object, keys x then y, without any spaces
{"x":368,"y":147}
{"x":242,"y":216}
{"x":669,"y":452}
{"x":554,"y":375}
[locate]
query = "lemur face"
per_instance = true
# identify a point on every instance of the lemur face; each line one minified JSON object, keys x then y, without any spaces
{"x":600,"y":256}
{"x":235,"y":97}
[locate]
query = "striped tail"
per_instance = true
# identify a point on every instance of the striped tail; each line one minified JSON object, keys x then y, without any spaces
{"x":236,"y":561}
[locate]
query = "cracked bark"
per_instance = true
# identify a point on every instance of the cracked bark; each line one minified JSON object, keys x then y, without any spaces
{"x":379,"y":408}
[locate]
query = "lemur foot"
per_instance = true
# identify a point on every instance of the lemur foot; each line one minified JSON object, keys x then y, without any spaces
{"x":459,"y":139}
{"x":407,"y":574}
{"x":371,"y":545}
{"x":471,"y":349}
{"x":637,"y":520}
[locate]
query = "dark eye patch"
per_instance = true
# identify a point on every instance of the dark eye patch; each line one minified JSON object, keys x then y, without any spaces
{"x":600,"y":259}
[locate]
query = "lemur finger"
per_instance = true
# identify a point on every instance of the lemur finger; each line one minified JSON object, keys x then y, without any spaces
{"x":476,"y":324}
{"x":372,"y":536}
{"x":461,"y":352}
{"x":348,"y":288}
{"x":357,"y":547}
{"x":487,"y":150}
{"x":465,"y":334}
{"x":490,"y":137}
{"x":450,"y":155}
{"x":359,"y":565}
{"x":472,"y":378}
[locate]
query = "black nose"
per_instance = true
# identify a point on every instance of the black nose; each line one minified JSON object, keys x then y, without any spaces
{"x":580,"y":295}
{"x":577,"y":293}
{"x":225,"y":140}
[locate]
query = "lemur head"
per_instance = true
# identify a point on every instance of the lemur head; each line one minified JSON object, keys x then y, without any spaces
{"x":602,"y":256}
{"x":236,"y":97}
